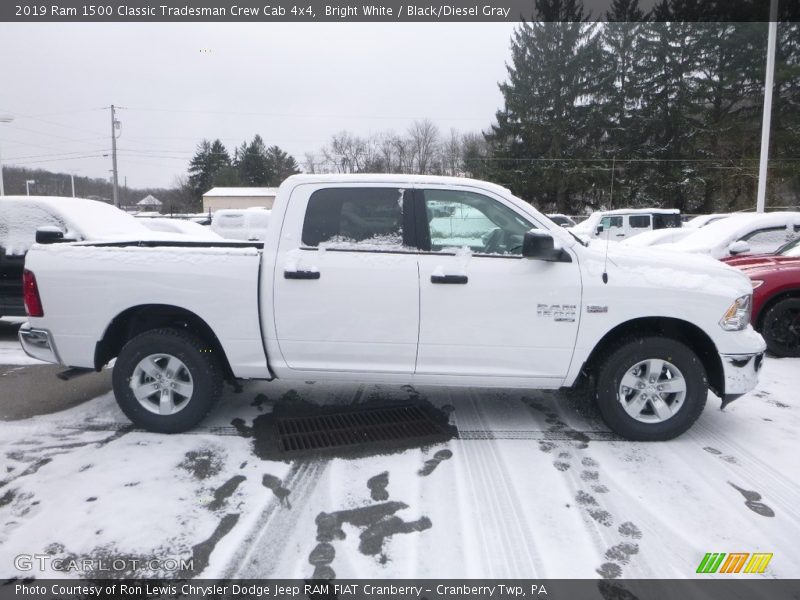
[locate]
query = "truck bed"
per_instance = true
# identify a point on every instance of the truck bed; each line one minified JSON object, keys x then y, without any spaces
{"x":85,"y":287}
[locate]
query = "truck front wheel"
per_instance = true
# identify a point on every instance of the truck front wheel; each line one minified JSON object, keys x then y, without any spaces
{"x":166,"y":380}
{"x":651,"y":389}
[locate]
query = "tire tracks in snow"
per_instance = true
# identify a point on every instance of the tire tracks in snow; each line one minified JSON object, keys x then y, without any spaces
{"x":502,"y":517}
{"x":261,"y":550}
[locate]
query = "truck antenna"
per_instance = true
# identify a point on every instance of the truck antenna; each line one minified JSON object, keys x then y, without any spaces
{"x":611,"y":202}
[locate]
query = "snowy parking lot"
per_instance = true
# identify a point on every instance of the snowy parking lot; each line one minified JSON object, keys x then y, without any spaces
{"x":531,"y":485}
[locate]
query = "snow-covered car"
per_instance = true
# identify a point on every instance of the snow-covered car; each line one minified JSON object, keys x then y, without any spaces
{"x":743,"y":233}
{"x":357,"y":281}
{"x":241,"y":224}
{"x":672,"y":234}
{"x":181,"y":226}
{"x":69,"y":219}
{"x":562,"y":220}
{"x":619,"y":224}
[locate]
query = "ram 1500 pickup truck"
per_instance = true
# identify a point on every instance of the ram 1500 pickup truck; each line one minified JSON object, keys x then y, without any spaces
{"x":397,"y":279}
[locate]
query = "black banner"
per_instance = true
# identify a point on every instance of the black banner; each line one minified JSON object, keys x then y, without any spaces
{"x":732,"y":588}
{"x":248,"y":11}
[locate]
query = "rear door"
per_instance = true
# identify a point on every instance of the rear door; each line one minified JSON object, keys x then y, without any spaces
{"x":346,"y":280}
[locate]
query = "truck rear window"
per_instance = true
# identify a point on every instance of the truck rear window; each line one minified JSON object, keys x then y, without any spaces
{"x":360,"y":216}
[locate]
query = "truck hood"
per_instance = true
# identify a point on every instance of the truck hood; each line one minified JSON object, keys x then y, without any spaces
{"x":658,"y":269}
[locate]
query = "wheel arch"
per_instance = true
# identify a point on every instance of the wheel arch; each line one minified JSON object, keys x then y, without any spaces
{"x":146,"y":317}
{"x":668,"y":327}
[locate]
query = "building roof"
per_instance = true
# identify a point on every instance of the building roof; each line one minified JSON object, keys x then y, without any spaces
{"x":149,"y":200}
{"x":242,"y":191}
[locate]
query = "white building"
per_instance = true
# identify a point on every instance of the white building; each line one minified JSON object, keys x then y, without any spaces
{"x":238,"y":197}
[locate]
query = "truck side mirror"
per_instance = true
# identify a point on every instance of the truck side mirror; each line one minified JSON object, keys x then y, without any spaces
{"x":49,"y":235}
{"x":540,"y":245}
{"x":599,"y":229}
{"x":739,"y":247}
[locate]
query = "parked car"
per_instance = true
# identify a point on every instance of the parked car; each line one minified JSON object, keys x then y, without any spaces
{"x":672,"y":234}
{"x":351,"y":285}
{"x":168,"y":225}
{"x":776,"y":296}
{"x":241,"y":224}
{"x":66,"y":219}
{"x":616,"y":225}
{"x":743,"y":233}
{"x":562,"y":220}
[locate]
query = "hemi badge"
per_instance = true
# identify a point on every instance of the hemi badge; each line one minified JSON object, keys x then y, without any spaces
{"x":594,"y":308}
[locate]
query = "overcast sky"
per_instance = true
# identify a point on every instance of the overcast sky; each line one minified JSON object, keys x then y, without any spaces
{"x":295,"y":84}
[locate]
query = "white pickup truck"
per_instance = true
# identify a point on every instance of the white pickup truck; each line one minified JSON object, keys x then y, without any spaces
{"x":397,"y":279}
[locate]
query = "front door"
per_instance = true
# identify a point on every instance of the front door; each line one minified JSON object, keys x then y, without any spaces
{"x":484,"y":309}
{"x":346,"y":280}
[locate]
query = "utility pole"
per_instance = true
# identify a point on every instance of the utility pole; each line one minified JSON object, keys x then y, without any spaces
{"x":3,"y":119}
{"x":766,"y":119}
{"x":72,"y":179}
{"x":115,"y":181}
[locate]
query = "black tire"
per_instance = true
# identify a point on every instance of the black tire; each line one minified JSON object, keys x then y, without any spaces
{"x":781,"y":328}
{"x":623,"y":360}
{"x":200,"y":362}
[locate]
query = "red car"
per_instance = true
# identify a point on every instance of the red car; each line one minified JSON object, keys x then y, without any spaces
{"x":776,"y":296}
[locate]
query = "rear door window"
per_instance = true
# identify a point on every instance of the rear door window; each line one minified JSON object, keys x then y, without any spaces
{"x":639,"y":221}
{"x":663,"y":221}
{"x":358,"y":219}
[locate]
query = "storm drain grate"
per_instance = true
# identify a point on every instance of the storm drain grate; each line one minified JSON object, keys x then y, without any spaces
{"x":406,"y":424}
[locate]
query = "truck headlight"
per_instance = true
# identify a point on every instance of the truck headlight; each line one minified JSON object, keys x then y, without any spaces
{"x":737,"y":316}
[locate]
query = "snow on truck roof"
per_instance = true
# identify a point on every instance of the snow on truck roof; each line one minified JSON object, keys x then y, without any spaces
{"x":393,"y":178}
{"x":242,"y":191}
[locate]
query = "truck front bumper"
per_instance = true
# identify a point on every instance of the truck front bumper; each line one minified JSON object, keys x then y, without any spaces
{"x":741,"y":374}
{"x":38,"y":344}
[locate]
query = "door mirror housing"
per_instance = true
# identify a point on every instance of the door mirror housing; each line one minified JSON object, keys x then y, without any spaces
{"x":739,"y":247}
{"x":541,"y":246}
{"x":599,"y":229}
{"x":49,"y":235}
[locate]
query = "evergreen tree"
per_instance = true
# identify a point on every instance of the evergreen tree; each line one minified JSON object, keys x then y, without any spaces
{"x":550,"y":103}
{"x":208,"y":160}
{"x":280,"y":165}
{"x":252,"y":163}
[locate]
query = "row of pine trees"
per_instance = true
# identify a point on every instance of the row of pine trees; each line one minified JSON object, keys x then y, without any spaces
{"x":658,"y":108}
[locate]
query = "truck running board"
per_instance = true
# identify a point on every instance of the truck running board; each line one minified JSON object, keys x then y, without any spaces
{"x":72,"y":373}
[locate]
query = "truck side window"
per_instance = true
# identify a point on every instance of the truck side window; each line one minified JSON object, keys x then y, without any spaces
{"x":639,"y":221}
{"x":355,"y":218}
{"x":465,"y":219}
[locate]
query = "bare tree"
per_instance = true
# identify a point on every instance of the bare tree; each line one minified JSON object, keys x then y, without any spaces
{"x":423,"y":140}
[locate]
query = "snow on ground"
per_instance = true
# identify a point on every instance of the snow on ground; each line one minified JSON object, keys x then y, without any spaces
{"x":535,"y":486}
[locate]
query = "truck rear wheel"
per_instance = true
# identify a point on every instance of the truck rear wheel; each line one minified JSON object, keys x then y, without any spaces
{"x":166,"y":380}
{"x":651,"y":389}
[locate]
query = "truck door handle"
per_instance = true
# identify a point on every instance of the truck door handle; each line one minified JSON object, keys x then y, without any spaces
{"x":449,"y":279}
{"x":301,"y":274}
